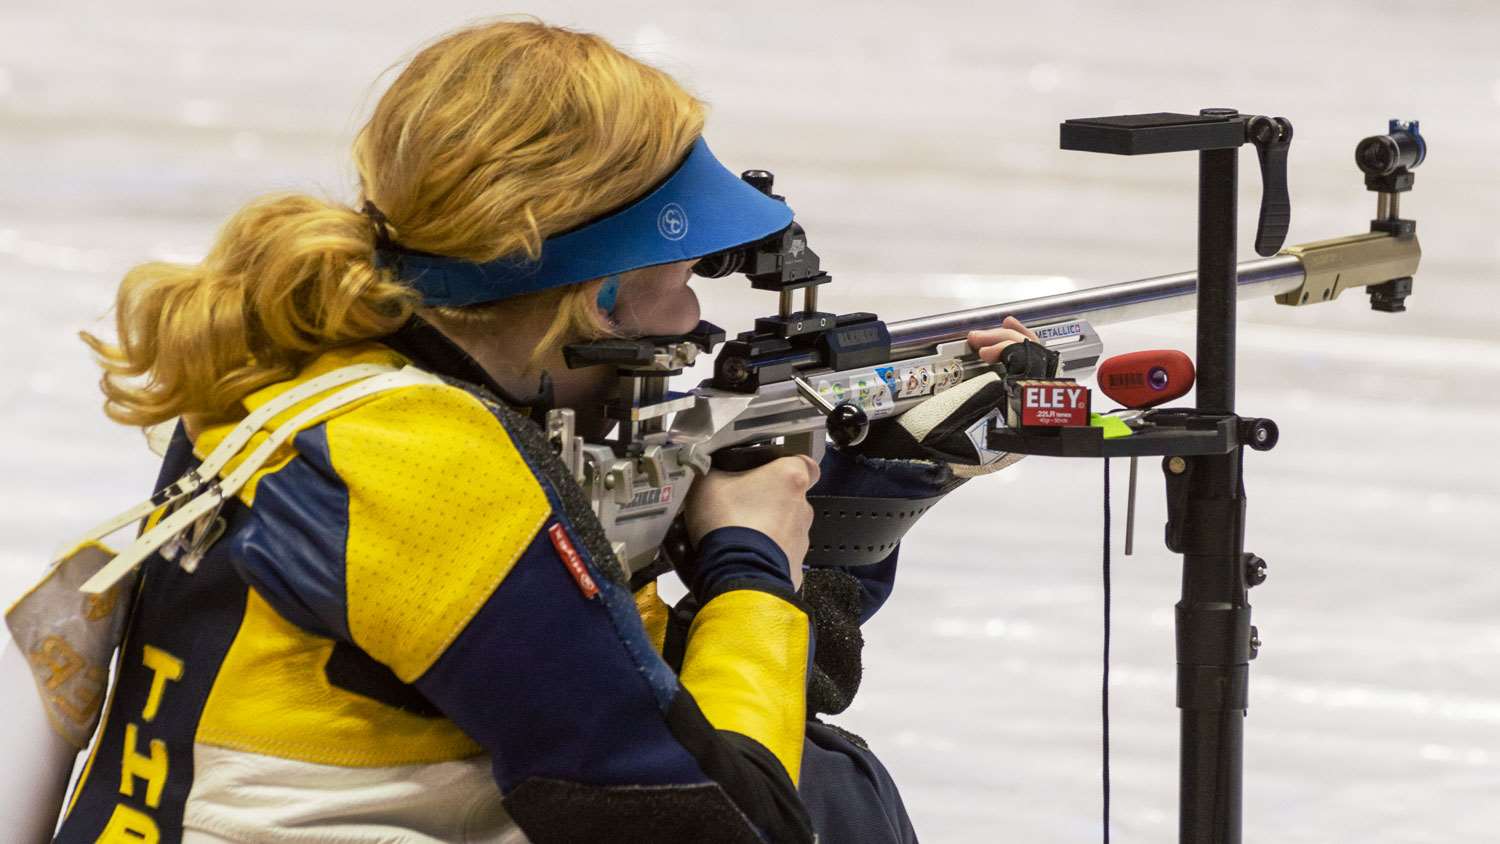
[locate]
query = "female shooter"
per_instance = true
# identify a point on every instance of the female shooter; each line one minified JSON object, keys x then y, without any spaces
{"x":408,"y":623}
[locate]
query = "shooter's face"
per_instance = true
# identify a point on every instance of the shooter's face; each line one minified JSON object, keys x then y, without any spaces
{"x":657,"y":300}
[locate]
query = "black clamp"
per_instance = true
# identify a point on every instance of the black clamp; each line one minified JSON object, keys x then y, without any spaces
{"x":1272,"y":137}
{"x":1212,"y":128}
{"x":1188,"y":519}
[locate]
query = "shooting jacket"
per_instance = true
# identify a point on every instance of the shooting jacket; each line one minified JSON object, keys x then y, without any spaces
{"x":413,"y":629}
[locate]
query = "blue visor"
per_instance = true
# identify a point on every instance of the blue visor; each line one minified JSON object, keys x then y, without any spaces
{"x":702,"y":208}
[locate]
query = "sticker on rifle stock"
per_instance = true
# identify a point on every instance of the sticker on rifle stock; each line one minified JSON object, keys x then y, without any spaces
{"x":868,"y":390}
{"x":873,"y":393}
{"x":950,"y":373}
{"x":915,"y":381}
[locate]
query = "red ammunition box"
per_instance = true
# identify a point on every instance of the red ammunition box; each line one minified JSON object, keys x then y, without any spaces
{"x":1047,"y":404}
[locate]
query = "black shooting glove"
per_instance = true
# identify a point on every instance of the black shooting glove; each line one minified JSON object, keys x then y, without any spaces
{"x":1029,"y":360}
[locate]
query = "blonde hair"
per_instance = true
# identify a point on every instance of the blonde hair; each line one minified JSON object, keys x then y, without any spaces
{"x":490,"y":140}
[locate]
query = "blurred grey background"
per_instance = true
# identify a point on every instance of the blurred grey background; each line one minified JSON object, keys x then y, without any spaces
{"x":918,"y":145}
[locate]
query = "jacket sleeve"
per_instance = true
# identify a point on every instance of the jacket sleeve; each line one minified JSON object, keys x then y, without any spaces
{"x":459,"y":562}
{"x":854,"y":475}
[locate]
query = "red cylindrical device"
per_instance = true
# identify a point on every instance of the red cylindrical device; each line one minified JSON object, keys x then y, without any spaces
{"x":1146,"y":379}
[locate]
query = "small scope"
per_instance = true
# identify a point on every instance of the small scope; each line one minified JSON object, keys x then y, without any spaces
{"x":1401,"y":148}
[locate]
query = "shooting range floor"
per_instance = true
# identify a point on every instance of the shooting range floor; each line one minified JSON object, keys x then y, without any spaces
{"x":922,"y":156}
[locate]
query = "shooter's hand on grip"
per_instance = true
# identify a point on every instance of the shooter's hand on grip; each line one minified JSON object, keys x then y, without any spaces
{"x":771,"y":500}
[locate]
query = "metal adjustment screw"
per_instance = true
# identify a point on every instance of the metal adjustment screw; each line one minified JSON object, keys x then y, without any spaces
{"x":1259,"y":434}
{"x":1255,"y":569}
{"x":1176,"y":465}
{"x":1254,"y":641}
{"x":735,"y":371}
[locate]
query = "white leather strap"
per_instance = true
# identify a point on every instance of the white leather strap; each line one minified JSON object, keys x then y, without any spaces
{"x":215,"y":491}
{"x":209,"y":469}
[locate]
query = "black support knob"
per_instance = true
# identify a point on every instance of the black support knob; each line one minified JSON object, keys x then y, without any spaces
{"x":1255,"y":570}
{"x":1259,"y":434}
{"x":847,"y":424}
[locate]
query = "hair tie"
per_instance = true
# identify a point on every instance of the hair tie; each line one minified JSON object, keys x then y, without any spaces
{"x":379,"y":221}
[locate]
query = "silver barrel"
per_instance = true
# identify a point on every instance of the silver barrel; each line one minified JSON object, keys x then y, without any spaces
{"x":1099,"y":305}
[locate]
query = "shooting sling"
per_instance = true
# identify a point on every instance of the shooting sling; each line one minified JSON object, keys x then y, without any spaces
{"x":70,"y":623}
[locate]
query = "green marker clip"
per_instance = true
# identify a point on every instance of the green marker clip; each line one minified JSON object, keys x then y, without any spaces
{"x":1113,"y":426}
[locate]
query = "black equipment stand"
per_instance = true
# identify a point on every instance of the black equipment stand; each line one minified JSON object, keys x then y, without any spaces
{"x":1202,"y":450}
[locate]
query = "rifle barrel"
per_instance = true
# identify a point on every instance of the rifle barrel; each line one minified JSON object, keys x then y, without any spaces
{"x":1108,"y":303}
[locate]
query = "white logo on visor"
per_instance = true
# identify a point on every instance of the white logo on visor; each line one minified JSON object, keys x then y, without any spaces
{"x":672,"y":222}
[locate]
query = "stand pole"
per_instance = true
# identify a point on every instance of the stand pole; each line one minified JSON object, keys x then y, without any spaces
{"x":1218,"y":186}
{"x":1213,"y":617}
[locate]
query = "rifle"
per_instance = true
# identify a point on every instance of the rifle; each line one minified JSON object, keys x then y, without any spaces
{"x":803,"y":376}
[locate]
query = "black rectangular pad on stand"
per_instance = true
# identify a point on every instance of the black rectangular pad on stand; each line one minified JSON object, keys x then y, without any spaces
{"x":1142,"y":134}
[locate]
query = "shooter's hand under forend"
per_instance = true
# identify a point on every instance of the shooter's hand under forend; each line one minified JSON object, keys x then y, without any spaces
{"x":991,"y":342}
{"x":1017,"y":349}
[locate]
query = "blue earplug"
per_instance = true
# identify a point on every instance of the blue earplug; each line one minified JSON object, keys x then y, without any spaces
{"x":608,"y":293}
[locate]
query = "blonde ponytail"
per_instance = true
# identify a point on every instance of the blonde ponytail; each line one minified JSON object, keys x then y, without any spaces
{"x":288,"y":278}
